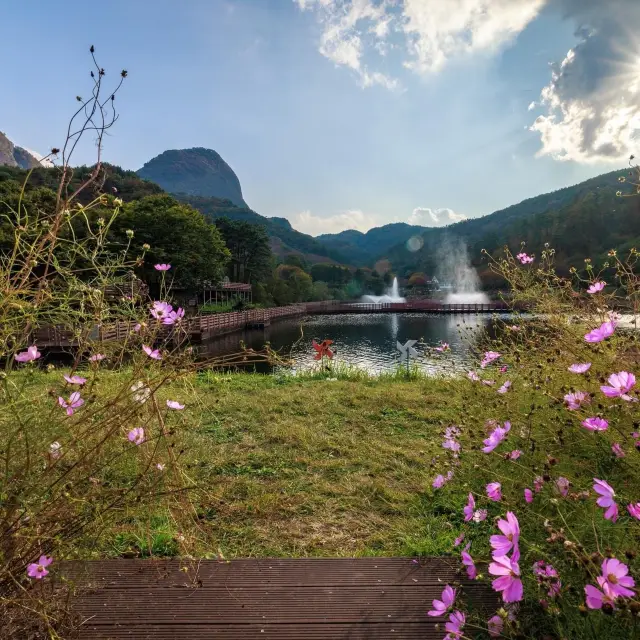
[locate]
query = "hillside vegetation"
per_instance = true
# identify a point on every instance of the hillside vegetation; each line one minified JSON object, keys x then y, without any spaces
{"x":582,"y":221}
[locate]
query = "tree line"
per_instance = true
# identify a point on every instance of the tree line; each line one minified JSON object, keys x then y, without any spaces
{"x":201,"y":250}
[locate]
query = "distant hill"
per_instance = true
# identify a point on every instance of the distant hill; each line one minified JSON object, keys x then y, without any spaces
{"x":363,"y":248}
{"x":584,"y":220}
{"x":14,"y":156}
{"x":195,"y":172}
{"x":284,"y":238}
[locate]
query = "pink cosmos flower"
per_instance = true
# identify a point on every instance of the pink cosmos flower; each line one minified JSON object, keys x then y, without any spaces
{"x":74,"y":402}
{"x":75,"y":380}
{"x":537,"y":484}
{"x":451,"y":444}
{"x":542,"y":569}
{"x":524,"y":258}
{"x":489,"y":383}
{"x":162,"y":267}
{"x":160,"y":309}
{"x":606,"y":499}
{"x":136,"y":435}
{"x":614,"y":575}
{"x":452,"y":431}
{"x":634,"y":510}
{"x":174,"y":404}
{"x":479,"y":515}
{"x":495,"y":625}
{"x":440,"y":607}
{"x":528,"y":495}
{"x":472,"y":375}
{"x":508,"y":582}
{"x":576,"y":400}
{"x":152,"y":353}
{"x":597,"y":286}
{"x":515,"y":454}
{"x":468,"y":510}
{"x":496,"y":437}
{"x":595,"y":424}
{"x":547,"y":575}
{"x":55,"y":450}
{"x":505,"y":387}
{"x":467,"y":561}
{"x":580,"y":367}
{"x":174,"y":317}
{"x":604,"y":331}
{"x":563,"y":486}
{"x":137,"y":327}
{"x":38,"y":570}
{"x":621,"y":383}
{"x":596,"y":598}
{"x":160,"y":466}
{"x":458,"y":541}
{"x":617,"y":450}
{"x":444,"y":346}
{"x":503,"y":369}
{"x":439,"y":481}
{"x":489,"y":357}
{"x":455,"y":626}
{"x":494,"y":491}
{"x":502,"y":544}
{"x":30,"y":354}
{"x":97,"y":357}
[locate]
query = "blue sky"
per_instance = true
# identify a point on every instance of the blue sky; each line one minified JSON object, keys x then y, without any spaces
{"x":344,"y":113}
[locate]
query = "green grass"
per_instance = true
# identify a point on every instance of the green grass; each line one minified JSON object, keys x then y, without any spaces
{"x":304,"y":466}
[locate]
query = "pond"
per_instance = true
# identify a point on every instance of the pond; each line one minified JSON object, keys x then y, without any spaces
{"x":367,"y":341}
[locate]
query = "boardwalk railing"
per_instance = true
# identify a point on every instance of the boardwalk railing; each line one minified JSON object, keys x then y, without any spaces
{"x":205,"y":327}
{"x":435,"y":306}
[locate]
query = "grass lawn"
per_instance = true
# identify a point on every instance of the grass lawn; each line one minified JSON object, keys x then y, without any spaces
{"x":291,"y":467}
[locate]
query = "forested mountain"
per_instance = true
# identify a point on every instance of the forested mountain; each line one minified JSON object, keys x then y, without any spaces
{"x":284,"y":238}
{"x":196,"y":172}
{"x":362,"y":248}
{"x":585,"y":220}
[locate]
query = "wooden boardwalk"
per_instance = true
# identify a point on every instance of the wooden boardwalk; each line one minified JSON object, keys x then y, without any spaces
{"x":206,"y":327}
{"x":303,"y":599}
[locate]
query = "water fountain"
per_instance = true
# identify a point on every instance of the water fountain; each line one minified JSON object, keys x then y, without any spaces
{"x":455,"y":267}
{"x":392,"y":295}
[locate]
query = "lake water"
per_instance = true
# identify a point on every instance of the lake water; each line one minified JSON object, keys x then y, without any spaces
{"x":367,"y":341}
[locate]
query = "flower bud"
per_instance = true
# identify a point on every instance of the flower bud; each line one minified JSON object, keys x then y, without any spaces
{"x":129,"y":233}
{"x":146,"y":246}
{"x":118,"y":202}
{"x":101,"y":222}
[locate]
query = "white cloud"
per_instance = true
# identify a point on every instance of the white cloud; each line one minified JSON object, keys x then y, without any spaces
{"x":531,"y":106}
{"x":438,"y":31}
{"x":434,"y":217}
{"x":433,"y":31}
{"x":593,"y":99}
{"x":314,"y":225}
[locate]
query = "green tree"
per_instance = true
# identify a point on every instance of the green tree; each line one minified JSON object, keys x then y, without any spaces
{"x":178,"y":235}
{"x":320,"y":291}
{"x":248,"y":244}
{"x":296,"y":260}
{"x":297,"y":282}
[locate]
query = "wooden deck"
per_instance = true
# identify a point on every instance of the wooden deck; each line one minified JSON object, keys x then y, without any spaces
{"x":305,"y":599}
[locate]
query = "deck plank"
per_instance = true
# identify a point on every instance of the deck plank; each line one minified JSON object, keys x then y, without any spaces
{"x":266,"y":598}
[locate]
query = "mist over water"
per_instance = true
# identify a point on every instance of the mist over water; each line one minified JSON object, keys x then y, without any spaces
{"x":454,"y":267}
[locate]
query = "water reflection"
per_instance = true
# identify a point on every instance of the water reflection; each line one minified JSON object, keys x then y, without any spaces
{"x":365,"y":340}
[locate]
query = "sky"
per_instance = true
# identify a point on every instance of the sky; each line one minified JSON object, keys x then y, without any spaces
{"x":341,"y":114}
